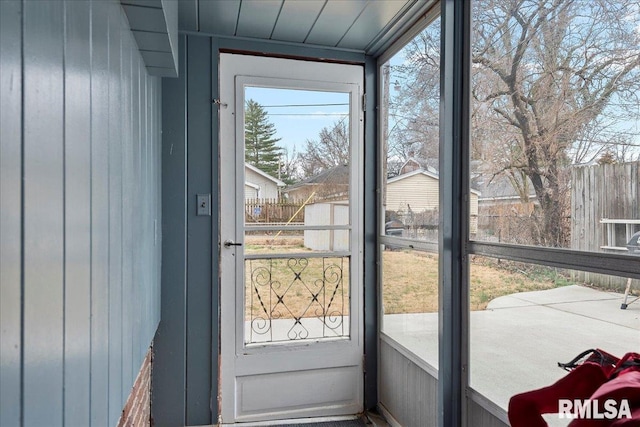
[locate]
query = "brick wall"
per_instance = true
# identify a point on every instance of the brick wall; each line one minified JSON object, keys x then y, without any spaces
{"x":137,"y":410}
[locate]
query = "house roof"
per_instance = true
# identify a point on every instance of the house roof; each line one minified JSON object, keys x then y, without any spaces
{"x":497,"y":187}
{"x":421,"y":172}
{"x":337,"y":175}
{"x":365,"y":26}
{"x":429,"y":164}
{"x":264,"y":174}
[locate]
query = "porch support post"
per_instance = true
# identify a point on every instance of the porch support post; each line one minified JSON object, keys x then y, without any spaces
{"x":454,"y":211}
{"x":371,"y":220}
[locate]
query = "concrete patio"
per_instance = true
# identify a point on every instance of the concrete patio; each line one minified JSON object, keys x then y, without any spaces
{"x":518,"y":340}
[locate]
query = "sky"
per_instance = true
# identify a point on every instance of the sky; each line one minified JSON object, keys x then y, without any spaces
{"x":299,"y":115}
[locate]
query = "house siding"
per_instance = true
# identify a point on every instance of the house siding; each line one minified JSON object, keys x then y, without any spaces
{"x":420,"y":192}
{"x":268,"y":189}
{"x":250,"y":192}
{"x":79,"y":209}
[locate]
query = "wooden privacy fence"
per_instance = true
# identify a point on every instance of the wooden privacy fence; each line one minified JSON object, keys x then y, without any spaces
{"x":603,"y":192}
{"x":273,"y":210}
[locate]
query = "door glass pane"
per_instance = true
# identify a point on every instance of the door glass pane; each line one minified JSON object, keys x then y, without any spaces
{"x":410,"y":100}
{"x":297,"y":238}
{"x":555,"y":124}
{"x":296,"y":298}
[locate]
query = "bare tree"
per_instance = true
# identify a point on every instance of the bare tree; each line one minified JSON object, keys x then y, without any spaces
{"x":551,"y":69}
{"x":414,"y":101}
{"x":554,"y":82}
{"x":331,"y":149}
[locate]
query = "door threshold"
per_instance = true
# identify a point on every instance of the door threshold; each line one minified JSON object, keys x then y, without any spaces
{"x":338,"y":421}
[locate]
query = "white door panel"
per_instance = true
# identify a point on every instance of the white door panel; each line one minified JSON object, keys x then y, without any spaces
{"x":291,"y":313}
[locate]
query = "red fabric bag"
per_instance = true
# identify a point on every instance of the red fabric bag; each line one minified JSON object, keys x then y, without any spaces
{"x":623,"y":385}
{"x":526,"y":409}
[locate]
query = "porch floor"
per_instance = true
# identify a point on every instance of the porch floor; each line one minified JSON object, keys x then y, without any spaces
{"x":516,"y":342}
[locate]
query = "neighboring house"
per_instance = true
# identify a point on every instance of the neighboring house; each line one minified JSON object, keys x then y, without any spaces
{"x":259,"y":184}
{"x":417,"y":192}
{"x":498,"y":191}
{"x":331,"y":184}
{"x":415,"y":163}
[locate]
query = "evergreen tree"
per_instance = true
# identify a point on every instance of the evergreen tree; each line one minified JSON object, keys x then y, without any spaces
{"x":261,"y":150}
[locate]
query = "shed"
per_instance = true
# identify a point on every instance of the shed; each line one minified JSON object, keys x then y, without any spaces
{"x":333,"y":213}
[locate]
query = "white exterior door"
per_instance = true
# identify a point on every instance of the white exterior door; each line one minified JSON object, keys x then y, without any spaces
{"x":291,"y":267}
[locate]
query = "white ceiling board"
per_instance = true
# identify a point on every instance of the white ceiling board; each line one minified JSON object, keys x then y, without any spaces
{"x":188,"y":15}
{"x":334,"y":21}
{"x":258,"y":18}
{"x":361,"y":25}
{"x":218,"y":17}
{"x":369,"y":24}
{"x":145,"y":18}
{"x":400,"y":31}
{"x":157,"y":59}
{"x":296,"y":19}
{"x":155,"y":31}
{"x":158,"y":42}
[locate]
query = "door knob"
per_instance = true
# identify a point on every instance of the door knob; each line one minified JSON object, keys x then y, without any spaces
{"x":228,"y":243}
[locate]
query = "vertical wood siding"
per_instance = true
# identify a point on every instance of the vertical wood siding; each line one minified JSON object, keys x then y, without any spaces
{"x":408,"y":393}
{"x":421,"y":193}
{"x":418,"y":191}
{"x":43,"y":214}
{"x":77,"y":185}
{"x":10,"y":209}
{"x":597,"y":192}
{"x":79,"y":212}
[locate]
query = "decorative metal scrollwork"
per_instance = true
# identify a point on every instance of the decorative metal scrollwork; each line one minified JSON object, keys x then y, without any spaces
{"x":295,"y":299}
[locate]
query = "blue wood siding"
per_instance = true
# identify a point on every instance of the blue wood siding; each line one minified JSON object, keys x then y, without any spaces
{"x":77,"y":184}
{"x":79,"y":212}
{"x":43,"y":232}
{"x":199,"y":160}
{"x":10,"y":202}
{"x":169,"y":365}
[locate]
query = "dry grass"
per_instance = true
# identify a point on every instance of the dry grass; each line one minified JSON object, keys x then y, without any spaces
{"x":410,"y":281}
{"x":296,"y":287}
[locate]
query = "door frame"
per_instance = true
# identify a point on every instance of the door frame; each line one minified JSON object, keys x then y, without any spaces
{"x":230,"y":345}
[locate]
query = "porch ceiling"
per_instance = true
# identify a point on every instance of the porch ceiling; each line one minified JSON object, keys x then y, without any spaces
{"x":362,"y":25}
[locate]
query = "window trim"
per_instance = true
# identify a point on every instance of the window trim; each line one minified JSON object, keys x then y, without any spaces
{"x":594,"y":262}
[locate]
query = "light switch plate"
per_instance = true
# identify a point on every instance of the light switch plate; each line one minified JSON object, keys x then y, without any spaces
{"x":204,"y":204}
